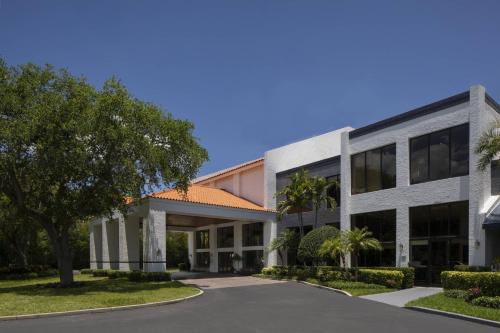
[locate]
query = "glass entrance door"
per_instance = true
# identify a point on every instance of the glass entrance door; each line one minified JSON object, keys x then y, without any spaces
{"x":225,"y":262}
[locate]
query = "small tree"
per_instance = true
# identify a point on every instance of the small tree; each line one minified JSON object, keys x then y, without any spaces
{"x":297,"y":197}
{"x":311,"y":243}
{"x":69,"y":152}
{"x":337,"y":248}
{"x":360,"y":240}
{"x":286,"y":240}
{"x":488,"y":146}
{"x":319,"y":187}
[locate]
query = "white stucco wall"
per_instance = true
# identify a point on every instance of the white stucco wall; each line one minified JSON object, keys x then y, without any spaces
{"x":295,"y":155}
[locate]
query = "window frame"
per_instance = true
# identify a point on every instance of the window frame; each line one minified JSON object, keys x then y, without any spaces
{"x":428,"y":136}
{"x":381,"y":163}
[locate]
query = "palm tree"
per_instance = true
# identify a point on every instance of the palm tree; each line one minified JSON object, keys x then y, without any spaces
{"x":337,"y":247}
{"x":297,"y":196}
{"x":488,"y":146}
{"x":286,"y":240}
{"x":361,"y":240}
{"x":319,"y":187}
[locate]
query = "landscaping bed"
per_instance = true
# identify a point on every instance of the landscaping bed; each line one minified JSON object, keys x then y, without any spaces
{"x":472,"y":293}
{"x":44,"y":295}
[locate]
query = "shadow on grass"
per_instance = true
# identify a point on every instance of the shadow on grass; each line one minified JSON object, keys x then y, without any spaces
{"x":85,"y":287}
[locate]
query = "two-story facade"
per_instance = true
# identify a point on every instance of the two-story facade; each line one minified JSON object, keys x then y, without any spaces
{"x":411,"y":179}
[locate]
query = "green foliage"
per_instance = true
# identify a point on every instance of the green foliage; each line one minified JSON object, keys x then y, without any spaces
{"x":297,"y":196}
{"x":288,"y":239}
{"x":408,"y":273}
{"x":26,"y":272}
{"x":319,"y":188}
{"x":328,"y":273}
{"x":488,"y":146}
{"x":176,"y":248}
{"x":467,"y":268}
{"x":391,"y":279}
{"x":489,"y":282}
{"x":149,"y":276}
{"x":310,"y":244}
{"x":456,"y":293}
{"x":69,"y":152}
{"x":487,"y":301}
{"x":101,"y":272}
{"x":183,"y":267}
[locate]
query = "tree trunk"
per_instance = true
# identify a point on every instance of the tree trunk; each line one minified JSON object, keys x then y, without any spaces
{"x":315,"y":217}
{"x":355,"y":262}
{"x":62,"y":249}
{"x":301,"y":224}
{"x":281,"y":257}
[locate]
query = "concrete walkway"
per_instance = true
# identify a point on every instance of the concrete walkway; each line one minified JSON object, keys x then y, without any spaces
{"x":401,"y":297}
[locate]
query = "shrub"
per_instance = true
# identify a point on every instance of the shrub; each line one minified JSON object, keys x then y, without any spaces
{"x":331,"y":273}
{"x":467,"y":268}
{"x":408,"y":274}
{"x":137,"y":276}
{"x":310,"y":243}
{"x":301,"y":274}
{"x":267,"y":271}
{"x":28,"y":272}
{"x":118,"y":274}
{"x":183,"y":267}
{"x":472,"y":294}
{"x":489,"y":302}
{"x":86,"y":271}
{"x":101,"y":272}
{"x":391,"y":279}
{"x":489,"y":282}
{"x":456,"y":293}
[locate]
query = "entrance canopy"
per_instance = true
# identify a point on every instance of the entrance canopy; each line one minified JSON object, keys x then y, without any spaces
{"x":492,"y":220}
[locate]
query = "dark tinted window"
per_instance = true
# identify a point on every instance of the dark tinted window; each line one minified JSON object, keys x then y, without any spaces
{"x":202,"y":259}
{"x":334,"y":191}
{"x":495,"y":177}
{"x":389,"y":166}
{"x":440,"y":154}
{"x":252,"y":261}
{"x":202,"y":239}
{"x":253,"y":234}
{"x":225,"y":237}
{"x":373,"y":170}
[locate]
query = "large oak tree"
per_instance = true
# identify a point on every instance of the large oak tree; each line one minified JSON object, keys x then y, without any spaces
{"x":69,"y":151}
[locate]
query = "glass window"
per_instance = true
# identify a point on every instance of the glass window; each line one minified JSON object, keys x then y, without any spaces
{"x":439,"y":154}
{"x":419,"y":159}
{"x":419,"y":221}
{"x":495,"y":177}
{"x":459,"y":217}
{"x":252,"y":261}
{"x":373,"y":172}
{"x":253,"y":234}
{"x":389,"y":166}
{"x":225,"y":237}
{"x":334,"y":191}
{"x":358,"y":173}
{"x":202,"y":259}
{"x":439,"y":220}
{"x":460,"y":151}
{"x":202,"y":239}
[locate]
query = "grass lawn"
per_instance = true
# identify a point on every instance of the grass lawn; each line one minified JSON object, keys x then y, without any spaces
{"x":441,"y":302}
{"x":38,"y":296}
{"x":354,"y":288}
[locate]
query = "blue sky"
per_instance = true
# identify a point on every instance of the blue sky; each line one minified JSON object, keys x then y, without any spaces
{"x":254,"y":75}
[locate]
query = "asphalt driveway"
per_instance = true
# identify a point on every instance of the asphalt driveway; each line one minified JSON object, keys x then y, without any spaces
{"x":269,"y":308}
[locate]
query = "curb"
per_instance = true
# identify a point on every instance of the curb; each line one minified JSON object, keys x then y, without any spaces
{"x":327,"y":288}
{"x":455,"y":315}
{"x":99,"y":310}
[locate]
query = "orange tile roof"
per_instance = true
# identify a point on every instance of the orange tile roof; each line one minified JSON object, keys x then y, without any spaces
{"x":208,"y":196}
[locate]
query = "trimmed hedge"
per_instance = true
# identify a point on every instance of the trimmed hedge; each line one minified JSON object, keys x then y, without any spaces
{"x":489,"y":302}
{"x":391,"y":279}
{"x":456,"y":293}
{"x":408,"y":274}
{"x":467,"y":268}
{"x":149,"y":276}
{"x":28,"y":272}
{"x":488,"y":282}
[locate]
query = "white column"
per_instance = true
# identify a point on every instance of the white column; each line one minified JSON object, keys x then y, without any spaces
{"x":345,"y":185}
{"x":270,"y":233}
{"x":129,"y":243}
{"x":402,"y":237}
{"x":105,"y":246}
{"x":92,"y":247}
{"x":155,"y":241}
{"x":214,"y":258}
{"x":191,"y":249}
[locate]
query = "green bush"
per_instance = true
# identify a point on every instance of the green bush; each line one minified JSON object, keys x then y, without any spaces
{"x":86,"y":271}
{"x":467,"y":268}
{"x":183,"y":267}
{"x":489,"y":302}
{"x":118,"y":274}
{"x":456,"y":293}
{"x":332,"y":273}
{"x":489,"y":282}
{"x":310,"y":243}
{"x":149,"y":276}
{"x":408,"y":273}
{"x":391,"y":279}
{"x":101,"y":272}
{"x":28,"y":272}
